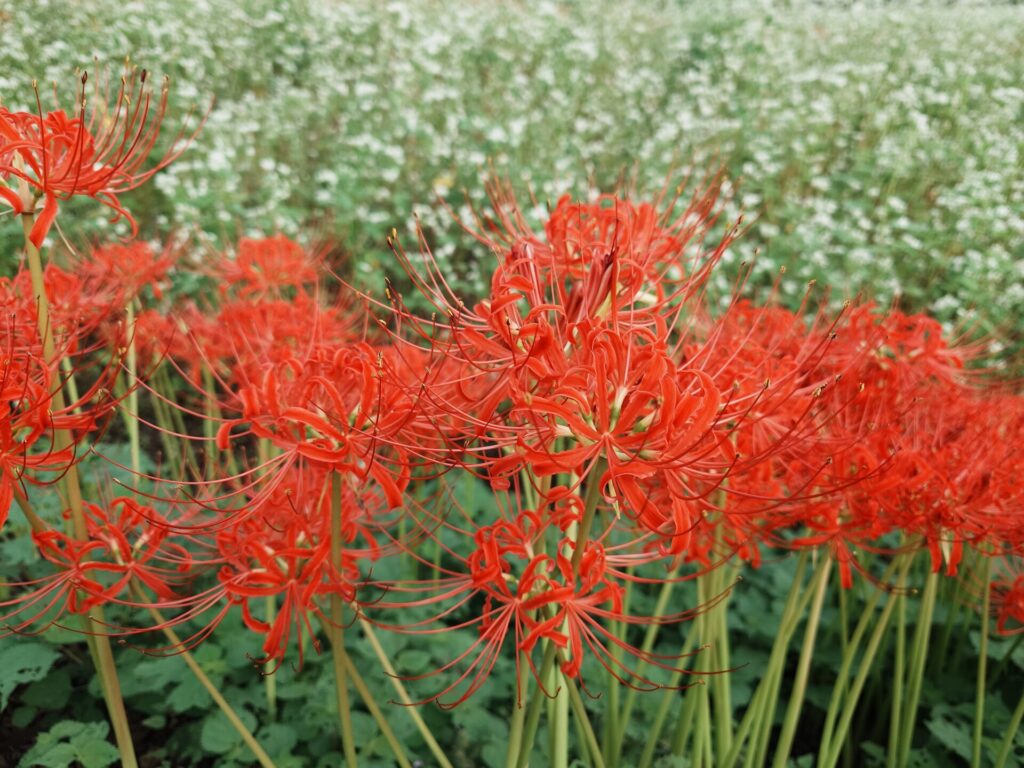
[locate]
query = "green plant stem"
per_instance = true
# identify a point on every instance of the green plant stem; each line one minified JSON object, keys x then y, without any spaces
{"x":918,"y":657}
{"x":403,"y":694}
{"x":839,"y":689}
{"x":336,"y":629}
{"x":371,"y":704}
{"x":664,"y":594}
{"x":99,"y":643}
{"x":666,"y":703}
{"x":899,"y":675}
{"x":796,"y":601}
{"x":979,"y":699}
{"x":236,"y":722}
{"x":1011,"y":734}
{"x":132,"y":414}
{"x":515,"y":729}
{"x":998,"y":671}
{"x":850,"y":703}
{"x":796,"y":698}
{"x":533,"y":710}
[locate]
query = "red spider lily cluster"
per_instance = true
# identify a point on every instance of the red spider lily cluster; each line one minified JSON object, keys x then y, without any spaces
{"x":629,"y":426}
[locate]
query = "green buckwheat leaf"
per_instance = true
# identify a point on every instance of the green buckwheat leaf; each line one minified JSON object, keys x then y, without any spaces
{"x":23,"y":662}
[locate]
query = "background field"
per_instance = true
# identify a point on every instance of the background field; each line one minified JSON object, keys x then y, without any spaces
{"x":872,"y":148}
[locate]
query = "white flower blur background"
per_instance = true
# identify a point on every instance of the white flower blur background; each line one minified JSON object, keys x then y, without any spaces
{"x":872,"y":147}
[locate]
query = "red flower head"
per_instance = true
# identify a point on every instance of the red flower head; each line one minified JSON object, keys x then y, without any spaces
{"x":98,"y":152}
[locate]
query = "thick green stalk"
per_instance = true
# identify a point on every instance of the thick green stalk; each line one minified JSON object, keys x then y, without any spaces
{"x":236,"y":722}
{"x":899,"y":675}
{"x":371,"y":704}
{"x":648,"y":644}
{"x":99,"y":643}
{"x":918,"y":657}
{"x":796,"y":697}
{"x":979,"y":699}
{"x":1011,"y":734}
{"x":533,"y":710}
{"x":132,"y":414}
{"x":850,"y":703}
{"x":666,"y":703}
{"x":839,"y":689}
{"x":336,"y":630}
{"x":796,"y":601}
{"x":396,"y":683}
{"x":515,"y":729}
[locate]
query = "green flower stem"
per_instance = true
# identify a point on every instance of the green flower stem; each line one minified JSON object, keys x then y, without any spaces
{"x":721,"y":695}
{"x":979,"y":700}
{"x":403,"y":694}
{"x":758,"y":753}
{"x":515,"y":729}
{"x":580,"y":711}
{"x":1011,"y":734}
{"x":998,"y":671}
{"x":664,"y":595}
{"x":667,"y":698}
{"x":132,"y":414}
{"x":533,"y":710}
{"x":796,"y":697}
{"x":99,"y":643}
{"x":850,"y":702}
{"x":335,"y":630}
{"x":867,"y":616}
{"x":899,"y":675}
{"x":918,"y":657}
{"x":236,"y":722}
{"x":371,"y":704}
{"x":796,"y":601}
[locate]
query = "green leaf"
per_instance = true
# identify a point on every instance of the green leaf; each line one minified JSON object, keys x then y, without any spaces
{"x":70,"y":742}
{"x":219,"y":736}
{"x":23,"y":661}
{"x":51,"y":693}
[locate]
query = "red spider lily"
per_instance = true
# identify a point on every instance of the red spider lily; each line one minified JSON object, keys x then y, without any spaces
{"x":128,"y":545}
{"x":1008,"y":601}
{"x":28,"y":450}
{"x":127,"y":268}
{"x":332,"y":409}
{"x":512,"y":583}
{"x":98,"y":152}
{"x":280,"y":551}
{"x":267,"y":266}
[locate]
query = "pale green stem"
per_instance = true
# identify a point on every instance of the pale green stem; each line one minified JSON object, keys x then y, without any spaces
{"x":403,"y":694}
{"x":236,"y":722}
{"x":371,"y":704}
{"x":533,"y":710}
{"x":839,"y":689}
{"x":850,"y":703}
{"x":918,"y":656}
{"x":796,"y":697}
{"x":796,"y":602}
{"x":1011,"y":734}
{"x":666,"y":702}
{"x":648,"y":644}
{"x":515,"y":730}
{"x":99,"y":643}
{"x":979,"y":701}
{"x":336,"y":629}
{"x":132,"y":416}
{"x":899,"y":675}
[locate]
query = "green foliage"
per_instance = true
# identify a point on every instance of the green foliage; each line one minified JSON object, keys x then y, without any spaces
{"x":72,"y":743}
{"x":23,"y":662}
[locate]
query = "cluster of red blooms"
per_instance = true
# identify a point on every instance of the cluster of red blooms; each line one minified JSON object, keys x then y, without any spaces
{"x":623,"y":419}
